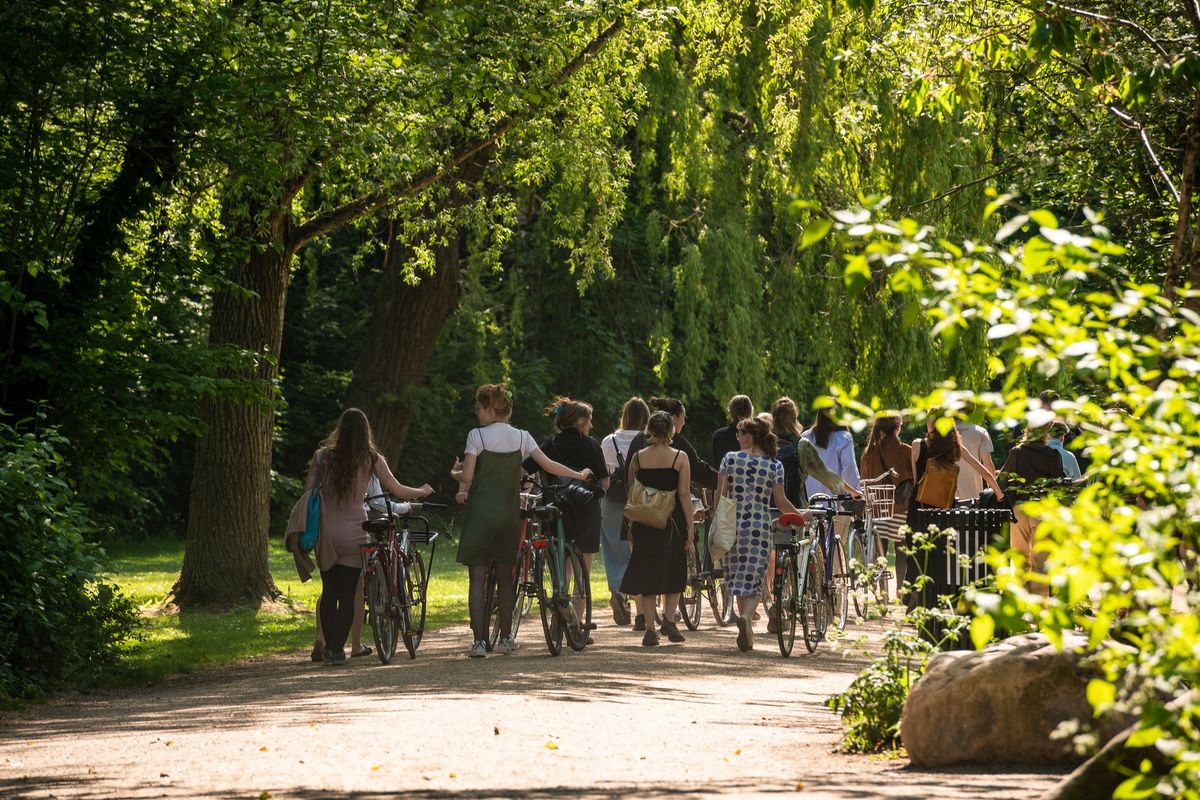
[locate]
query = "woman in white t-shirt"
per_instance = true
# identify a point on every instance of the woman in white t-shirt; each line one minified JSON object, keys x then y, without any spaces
{"x":835,"y":445}
{"x":616,"y":550}
{"x":489,"y":483}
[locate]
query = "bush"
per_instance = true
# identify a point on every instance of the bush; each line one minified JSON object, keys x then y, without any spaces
{"x":59,"y":622}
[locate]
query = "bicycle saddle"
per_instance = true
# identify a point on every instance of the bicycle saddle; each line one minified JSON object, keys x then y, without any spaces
{"x":790,"y":520}
{"x":376,"y":525}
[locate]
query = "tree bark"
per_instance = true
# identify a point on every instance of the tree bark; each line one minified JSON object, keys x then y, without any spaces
{"x":225,"y":561}
{"x":404,"y":329}
{"x":1183,"y":220}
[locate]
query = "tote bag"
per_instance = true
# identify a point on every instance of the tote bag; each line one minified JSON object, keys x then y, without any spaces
{"x":937,"y":486}
{"x":722,"y":532}
{"x":649,"y":506}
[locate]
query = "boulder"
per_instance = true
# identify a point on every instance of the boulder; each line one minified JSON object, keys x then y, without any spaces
{"x":998,"y":705}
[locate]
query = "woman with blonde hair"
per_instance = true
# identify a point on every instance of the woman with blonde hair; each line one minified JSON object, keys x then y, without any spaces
{"x":489,"y":480}
{"x":346,"y":461}
{"x":658,"y":564}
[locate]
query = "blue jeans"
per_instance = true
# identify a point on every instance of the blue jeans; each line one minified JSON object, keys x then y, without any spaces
{"x":616,"y":552}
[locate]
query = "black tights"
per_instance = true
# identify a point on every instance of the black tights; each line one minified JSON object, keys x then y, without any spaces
{"x":338,"y":585}
{"x":477,"y":594}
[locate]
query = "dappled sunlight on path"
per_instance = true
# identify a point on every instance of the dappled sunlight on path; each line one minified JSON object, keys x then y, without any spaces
{"x":615,"y":720}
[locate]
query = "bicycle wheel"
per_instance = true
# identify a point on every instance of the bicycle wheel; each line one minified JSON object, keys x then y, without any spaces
{"x":491,"y":609}
{"x":577,"y":612}
{"x":860,"y":570}
{"x":812,"y":607}
{"x":417,"y":581}
{"x":379,"y":613}
{"x":786,"y":603}
{"x":720,"y":600}
{"x":839,"y":585}
{"x":551,"y":621}
{"x":883,"y":576}
{"x":689,"y":601}
{"x":522,"y":594}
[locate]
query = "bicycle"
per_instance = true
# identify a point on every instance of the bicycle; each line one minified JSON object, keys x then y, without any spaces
{"x":704,"y":579}
{"x":798,"y":583}
{"x":395,"y":579}
{"x":836,"y":576}
{"x":868,"y":576}
{"x":560,"y":582}
{"x":523,"y":586}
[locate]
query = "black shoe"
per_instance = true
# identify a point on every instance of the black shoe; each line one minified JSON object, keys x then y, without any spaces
{"x":335,"y":658}
{"x":619,"y":609}
{"x":639,"y":623}
{"x":650,"y":639}
{"x":671,"y":632}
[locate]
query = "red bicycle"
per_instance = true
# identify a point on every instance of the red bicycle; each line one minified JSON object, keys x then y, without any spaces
{"x":523,"y":583}
{"x":395,"y":577}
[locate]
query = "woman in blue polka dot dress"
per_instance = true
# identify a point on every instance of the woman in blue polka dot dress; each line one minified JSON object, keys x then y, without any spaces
{"x":753,"y":478}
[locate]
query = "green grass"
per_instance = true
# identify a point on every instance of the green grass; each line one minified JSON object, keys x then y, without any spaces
{"x":172,"y":642}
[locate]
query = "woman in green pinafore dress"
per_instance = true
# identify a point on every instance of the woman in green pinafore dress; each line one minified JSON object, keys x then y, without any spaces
{"x":489,"y":480}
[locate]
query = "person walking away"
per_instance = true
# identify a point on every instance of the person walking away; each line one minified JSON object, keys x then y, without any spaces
{"x":885,"y":451}
{"x":1058,"y":434}
{"x":835,"y":445}
{"x":490,"y":482}
{"x":614,"y":542}
{"x":347,"y":460}
{"x":658,"y":564}
{"x":702,"y":473}
{"x":752,"y":478}
{"x":945,"y":451}
{"x":799,"y":456}
{"x":977,"y":441}
{"x":1028,"y":467}
{"x":724,"y":440}
{"x":573,"y":447}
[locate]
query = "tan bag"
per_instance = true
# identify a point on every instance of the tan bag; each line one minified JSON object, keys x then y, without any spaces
{"x":722,"y":532}
{"x":649,"y":506}
{"x":937,"y":486}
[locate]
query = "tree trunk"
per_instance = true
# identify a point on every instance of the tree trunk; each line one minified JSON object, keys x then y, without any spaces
{"x":405,"y":325}
{"x":225,"y":560}
{"x":1183,"y":222}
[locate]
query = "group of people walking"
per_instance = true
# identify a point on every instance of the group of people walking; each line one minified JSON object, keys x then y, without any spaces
{"x":767,"y":464}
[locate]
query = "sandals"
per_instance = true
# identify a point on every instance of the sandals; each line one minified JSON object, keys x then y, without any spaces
{"x":671,"y":631}
{"x":366,"y":651}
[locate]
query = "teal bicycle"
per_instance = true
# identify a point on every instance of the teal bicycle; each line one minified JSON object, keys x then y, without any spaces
{"x":560,"y":582}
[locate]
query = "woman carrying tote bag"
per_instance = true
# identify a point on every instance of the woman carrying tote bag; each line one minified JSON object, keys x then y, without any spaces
{"x":658,"y":564}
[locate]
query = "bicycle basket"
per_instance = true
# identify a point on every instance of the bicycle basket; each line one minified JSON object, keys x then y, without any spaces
{"x":881,"y":500}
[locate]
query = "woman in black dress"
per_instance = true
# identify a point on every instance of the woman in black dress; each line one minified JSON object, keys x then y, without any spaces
{"x":658,"y":564}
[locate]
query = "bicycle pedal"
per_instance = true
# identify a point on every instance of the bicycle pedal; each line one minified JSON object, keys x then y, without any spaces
{"x":591,"y":626}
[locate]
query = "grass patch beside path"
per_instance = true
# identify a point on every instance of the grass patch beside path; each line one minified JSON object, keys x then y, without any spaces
{"x":173,"y":642}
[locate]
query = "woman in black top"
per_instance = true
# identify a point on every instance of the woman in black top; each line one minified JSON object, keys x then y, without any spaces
{"x":725,"y":439}
{"x":573,"y":445}
{"x":703,"y":474}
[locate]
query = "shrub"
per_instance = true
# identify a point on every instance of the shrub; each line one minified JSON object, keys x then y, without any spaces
{"x":59,"y":622}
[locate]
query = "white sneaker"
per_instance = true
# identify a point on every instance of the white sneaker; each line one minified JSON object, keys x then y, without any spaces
{"x":479,"y":649}
{"x":507,"y":645}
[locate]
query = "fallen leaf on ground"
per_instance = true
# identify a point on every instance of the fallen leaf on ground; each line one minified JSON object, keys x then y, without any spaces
{"x":264,"y":796}
{"x":263,"y":749}
{"x":376,"y":768}
{"x":496,"y":730}
{"x":551,"y":746}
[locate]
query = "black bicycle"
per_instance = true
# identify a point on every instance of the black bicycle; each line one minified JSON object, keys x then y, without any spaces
{"x":704,"y":578}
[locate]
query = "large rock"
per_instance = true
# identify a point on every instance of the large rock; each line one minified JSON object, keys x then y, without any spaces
{"x":998,"y":705}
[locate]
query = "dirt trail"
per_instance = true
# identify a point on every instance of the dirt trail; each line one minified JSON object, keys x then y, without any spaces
{"x":616,"y":720}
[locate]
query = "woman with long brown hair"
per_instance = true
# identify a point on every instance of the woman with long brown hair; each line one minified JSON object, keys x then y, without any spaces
{"x":615,"y":447}
{"x":885,"y":451}
{"x":346,"y":461}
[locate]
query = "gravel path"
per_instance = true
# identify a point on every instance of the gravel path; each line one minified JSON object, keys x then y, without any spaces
{"x":616,"y":720}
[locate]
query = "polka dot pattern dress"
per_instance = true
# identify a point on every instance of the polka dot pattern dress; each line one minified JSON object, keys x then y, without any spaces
{"x":751,"y":479}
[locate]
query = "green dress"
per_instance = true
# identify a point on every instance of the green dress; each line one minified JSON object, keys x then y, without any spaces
{"x":491,"y":530}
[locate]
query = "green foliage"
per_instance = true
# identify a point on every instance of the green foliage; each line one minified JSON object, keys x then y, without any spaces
{"x":1121,"y":555}
{"x":870,"y":707}
{"x":59,"y":622}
